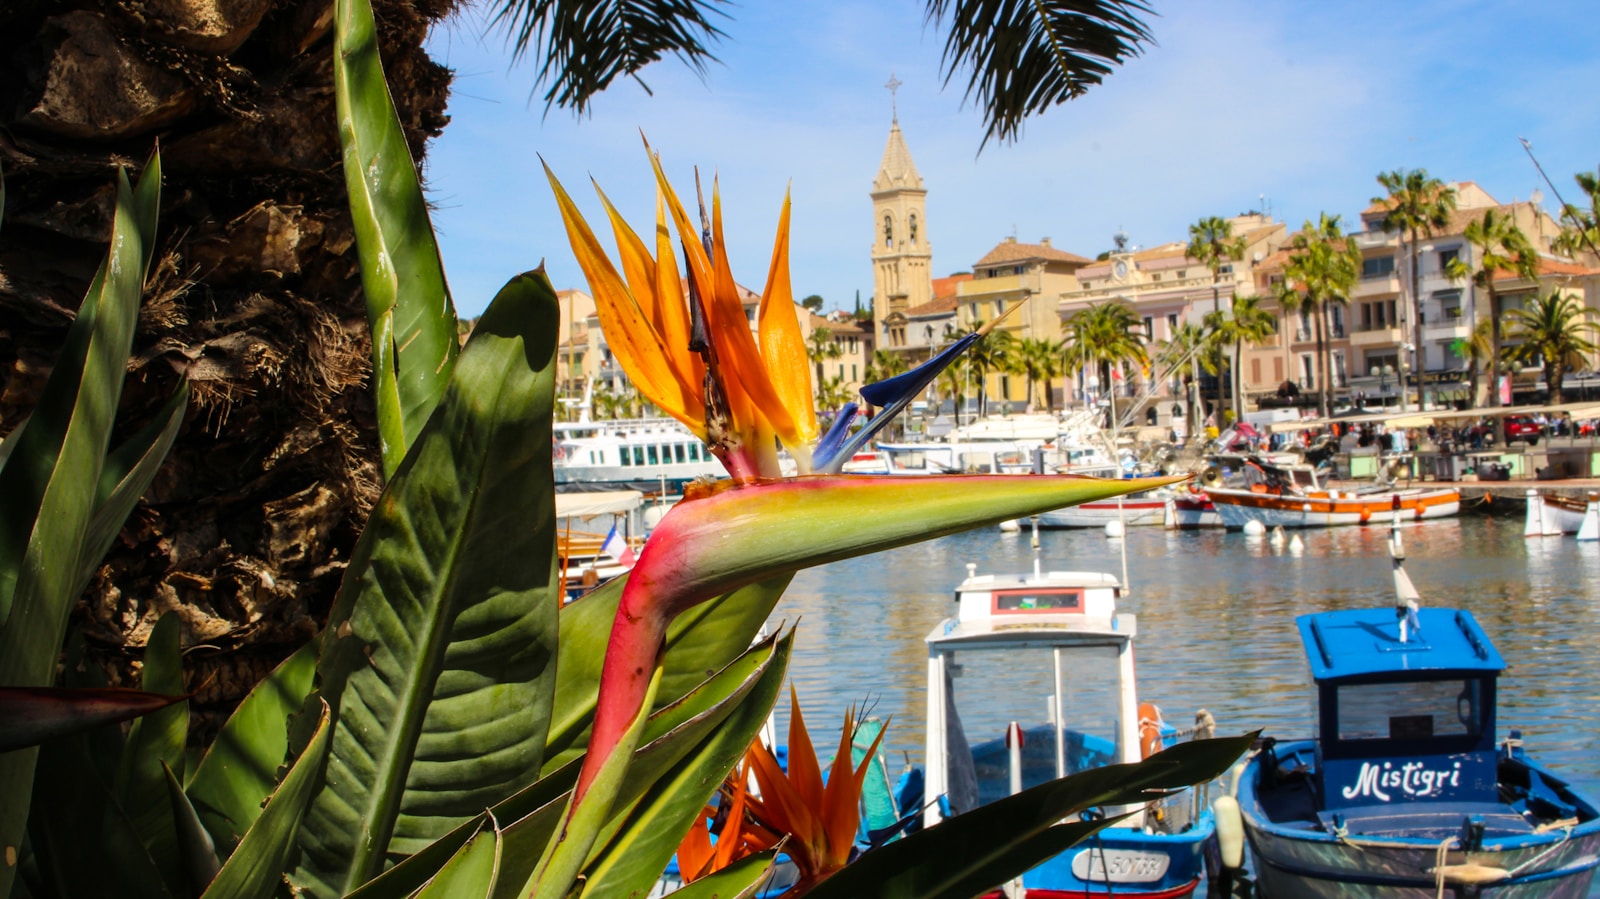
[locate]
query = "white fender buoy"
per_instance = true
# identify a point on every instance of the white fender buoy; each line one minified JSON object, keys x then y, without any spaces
{"x":1114,"y":530}
{"x":653,"y":515}
{"x":1533,"y":522}
{"x":1296,"y":545}
{"x":1277,"y":535}
{"x":1010,"y":526}
{"x":1230,"y":831}
{"x":1590,"y":529}
{"x":1254,"y":528}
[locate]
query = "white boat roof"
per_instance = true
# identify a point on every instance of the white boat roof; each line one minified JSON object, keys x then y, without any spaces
{"x":1089,"y":617}
{"x":588,"y":505}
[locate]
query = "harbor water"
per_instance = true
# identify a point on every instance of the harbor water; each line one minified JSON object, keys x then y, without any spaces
{"x":1216,"y":624}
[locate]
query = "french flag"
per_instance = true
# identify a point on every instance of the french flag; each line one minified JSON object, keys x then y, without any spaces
{"x":616,"y":546}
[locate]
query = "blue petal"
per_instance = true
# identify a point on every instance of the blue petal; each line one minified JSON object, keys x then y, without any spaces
{"x":892,"y":395}
{"x":828,"y":447}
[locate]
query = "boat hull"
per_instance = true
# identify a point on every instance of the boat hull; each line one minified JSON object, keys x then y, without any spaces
{"x":1188,"y":513}
{"x":1124,"y":862}
{"x":1557,"y":515}
{"x":1238,"y":508}
{"x":1293,"y":859}
{"x":1099,"y":514}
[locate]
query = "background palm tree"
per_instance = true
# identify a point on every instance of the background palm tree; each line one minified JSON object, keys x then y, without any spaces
{"x":1475,"y":350}
{"x":1556,"y":332}
{"x":1107,"y":336}
{"x":1246,"y":322}
{"x":1417,"y":206}
{"x":1501,"y":246}
{"x":1213,"y":244}
{"x":1580,"y":227}
{"x":886,"y":364}
{"x":1039,"y":359}
{"x":952,"y":385}
{"x":820,"y":348}
{"x":1323,"y":269}
{"x":992,"y":352}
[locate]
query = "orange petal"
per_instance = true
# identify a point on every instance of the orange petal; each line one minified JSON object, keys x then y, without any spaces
{"x":842,"y":810}
{"x":804,"y":772}
{"x":783,"y":348}
{"x":736,"y":346}
{"x":632,"y":338}
{"x":782,"y":809}
{"x":695,"y":852}
{"x":672,"y":307}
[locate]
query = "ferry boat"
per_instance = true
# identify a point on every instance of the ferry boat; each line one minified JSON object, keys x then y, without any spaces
{"x":1292,"y":496}
{"x":1404,"y":793}
{"x":1057,"y":636}
{"x":647,"y":454}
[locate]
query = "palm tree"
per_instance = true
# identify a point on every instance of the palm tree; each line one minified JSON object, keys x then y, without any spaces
{"x":1322,"y":271}
{"x":1213,"y":245}
{"x":1248,"y":323}
{"x":1417,"y":206}
{"x":1475,"y":350}
{"x":821,"y":347}
{"x":1501,"y":246}
{"x":1580,"y":230}
{"x":1555,"y":331}
{"x":992,"y":352}
{"x":885,"y":365}
{"x":832,"y":394}
{"x":1039,"y":358}
{"x":1108,"y":336}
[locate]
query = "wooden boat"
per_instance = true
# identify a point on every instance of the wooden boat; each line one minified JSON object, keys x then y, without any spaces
{"x":1551,"y":514}
{"x":1056,"y":635}
{"x":1406,"y":794}
{"x":1292,"y":496}
{"x":1191,"y":509}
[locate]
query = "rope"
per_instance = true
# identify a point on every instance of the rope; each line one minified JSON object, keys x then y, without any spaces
{"x":1440,"y":856}
{"x":1566,"y":826}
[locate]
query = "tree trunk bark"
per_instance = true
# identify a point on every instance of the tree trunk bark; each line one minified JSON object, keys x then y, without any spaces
{"x":1494,"y":351}
{"x":254,"y":297}
{"x":1324,"y":392}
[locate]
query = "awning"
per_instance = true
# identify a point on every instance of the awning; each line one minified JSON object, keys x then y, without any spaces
{"x":1414,"y":419}
{"x":588,"y":505}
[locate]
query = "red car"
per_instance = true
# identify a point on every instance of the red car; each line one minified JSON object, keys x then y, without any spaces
{"x":1522,"y":427}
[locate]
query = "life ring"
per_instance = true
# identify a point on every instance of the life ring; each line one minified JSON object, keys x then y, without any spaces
{"x":1149,"y":729}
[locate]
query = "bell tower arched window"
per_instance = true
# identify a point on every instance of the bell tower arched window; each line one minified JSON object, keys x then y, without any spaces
{"x":888,"y":230}
{"x":913,"y":229}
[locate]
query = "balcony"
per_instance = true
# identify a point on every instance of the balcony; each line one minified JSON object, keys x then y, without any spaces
{"x":1382,"y":285}
{"x":1375,"y":337}
{"x":1367,"y":240}
{"x":1452,"y":329}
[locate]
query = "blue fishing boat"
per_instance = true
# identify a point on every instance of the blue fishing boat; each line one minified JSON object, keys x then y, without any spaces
{"x":1405,"y":792}
{"x":1055,"y":639}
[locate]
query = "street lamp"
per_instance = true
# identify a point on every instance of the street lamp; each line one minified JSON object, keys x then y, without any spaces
{"x":1406,"y":349}
{"x":1382,"y":373}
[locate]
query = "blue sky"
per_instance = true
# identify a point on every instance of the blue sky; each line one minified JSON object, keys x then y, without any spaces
{"x":1300,"y":103}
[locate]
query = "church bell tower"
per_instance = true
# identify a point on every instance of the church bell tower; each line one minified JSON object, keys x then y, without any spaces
{"x":901,"y":253}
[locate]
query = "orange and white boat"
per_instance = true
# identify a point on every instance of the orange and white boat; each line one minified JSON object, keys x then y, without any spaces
{"x":1291,"y":496}
{"x":1551,"y":514}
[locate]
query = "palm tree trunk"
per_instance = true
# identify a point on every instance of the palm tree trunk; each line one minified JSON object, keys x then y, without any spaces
{"x":1405,"y":332}
{"x":1494,"y":352}
{"x":1324,"y":395}
{"x":246,"y":528}
{"x":1238,"y":380}
{"x":1554,"y":372}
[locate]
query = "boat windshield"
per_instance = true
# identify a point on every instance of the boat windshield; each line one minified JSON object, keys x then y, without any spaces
{"x":1410,"y":710}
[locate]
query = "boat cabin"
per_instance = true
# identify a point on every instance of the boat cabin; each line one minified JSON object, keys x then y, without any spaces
{"x":1402,"y":721}
{"x":1022,"y":645}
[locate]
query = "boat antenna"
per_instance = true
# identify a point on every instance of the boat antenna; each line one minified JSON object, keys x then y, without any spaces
{"x":1406,"y":598}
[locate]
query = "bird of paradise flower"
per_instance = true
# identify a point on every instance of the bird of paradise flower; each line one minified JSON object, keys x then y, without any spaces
{"x":691,"y":352}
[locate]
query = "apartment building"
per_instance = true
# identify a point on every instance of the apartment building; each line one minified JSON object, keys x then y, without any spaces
{"x":1030,"y":274}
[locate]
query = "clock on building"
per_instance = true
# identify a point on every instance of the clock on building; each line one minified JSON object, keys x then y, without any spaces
{"x":1121,"y":268}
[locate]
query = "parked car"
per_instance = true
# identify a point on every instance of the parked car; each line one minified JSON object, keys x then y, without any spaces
{"x":1522,"y":427}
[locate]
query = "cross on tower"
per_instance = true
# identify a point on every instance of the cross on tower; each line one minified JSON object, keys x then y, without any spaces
{"x":894,"y":86}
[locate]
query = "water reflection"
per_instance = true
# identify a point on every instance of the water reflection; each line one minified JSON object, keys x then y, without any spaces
{"x":1216,"y":617}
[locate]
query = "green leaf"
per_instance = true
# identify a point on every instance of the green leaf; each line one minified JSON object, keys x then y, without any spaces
{"x":438,"y":653}
{"x":970,"y":853}
{"x":700,"y":641}
{"x":127,"y":474}
{"x":672,"y":733}
{"x":737,"y":881}
{"x":49,"y":482}
{"x":645,"y":837}
{"x":32,"y":715}
{"x":156,"y":741}
{"x":470,"y":873}
{"x":196,"y":850}
{"x":255,"y":870}
{"x":240,"y":770}
{"x":414,"y":342}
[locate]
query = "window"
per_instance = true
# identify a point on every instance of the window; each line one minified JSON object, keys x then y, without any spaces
{"x":1225,"y":269}
{"x":888,"y":230}
{"x":678,"y":452}
{"x":1340,"y":377}
{"x":913,"y":228}
{"x":1308,"y":372}
{"x":1149,"y":327}
{"x":626,"y":459}
{"x":1377,"y":267}
{"x":852,"y":371}
{"x":638,"y":455}
{"x":1255,"y":371}
{"x":1183,"y":273}
{"x":1449,"y":304}
{"x":1156,"y":276}
{"x":1172,"y":323}
{"x":1415,"y":710}
{"x":1019,"y":269}
{"x":1448,"y":256}
{"x":654,"y":454}
{"x":974,"y":311}
{"x":1337,"y":313}
{"x":1277,"y":370}
{"x":1394,"y":320}
{"x":999,"y":308}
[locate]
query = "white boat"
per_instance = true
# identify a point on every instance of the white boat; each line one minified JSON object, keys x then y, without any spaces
{"x":1055,"y":636}
{"x":1291,"y":496}
{"x":1551,"y":514}
{"x":637,"y":453}
{"x":1191,"y":509}
{"x":1147,"y":507}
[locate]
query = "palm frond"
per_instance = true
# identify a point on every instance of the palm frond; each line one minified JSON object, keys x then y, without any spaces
{"x":582,"y":46}
{"x":1024,"y":56}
